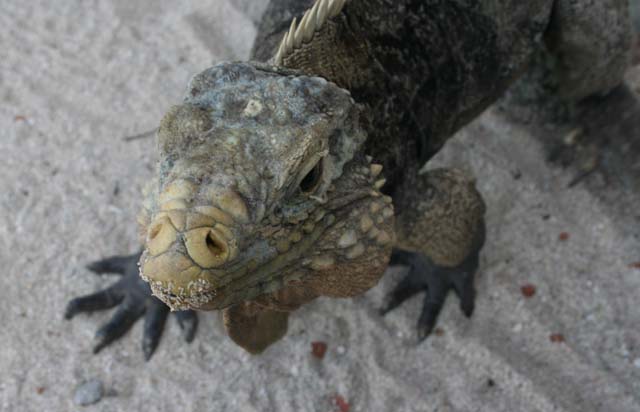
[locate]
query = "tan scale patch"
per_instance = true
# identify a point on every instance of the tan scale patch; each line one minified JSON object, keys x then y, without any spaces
{"x":365,"y":223}
{"x":178,"y":219}
{"x":232,"y":203}
{"x":197,"y":220}
{"x":164,"y":268}
{"x":173,"y":205}
{"x":348,"y":238}
{"x":295,"y":237}
{"x":283,"y":246}
{"x":215,"y":213}
{"x":322,"y":262}
{"x":179,"y":189}
{"x":355,"y":251}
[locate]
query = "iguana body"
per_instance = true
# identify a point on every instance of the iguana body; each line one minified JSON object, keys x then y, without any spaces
{"x":270,"y":190}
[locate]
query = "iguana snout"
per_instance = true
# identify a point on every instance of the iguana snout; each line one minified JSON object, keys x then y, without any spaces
{"x":263,"y":185}
{"x":208,"y":242}
{"x":208,"y":231}
{"x":192,"y":241}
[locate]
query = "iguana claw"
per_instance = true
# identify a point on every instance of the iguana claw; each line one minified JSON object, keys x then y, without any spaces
{"x":436,"y":281}
{"x":133,"y":297}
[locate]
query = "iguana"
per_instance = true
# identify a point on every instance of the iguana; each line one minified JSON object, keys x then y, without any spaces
{"x":297,"y":174}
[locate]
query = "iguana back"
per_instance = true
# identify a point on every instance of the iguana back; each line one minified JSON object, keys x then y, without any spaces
{"x":423,"y":68}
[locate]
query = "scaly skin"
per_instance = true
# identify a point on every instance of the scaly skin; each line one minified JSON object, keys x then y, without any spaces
{"x":267,"y":196}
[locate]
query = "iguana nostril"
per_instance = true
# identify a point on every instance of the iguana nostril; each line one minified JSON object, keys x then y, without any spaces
{"x":216,"y":246}
{"x":153,"y":233}
{"x":207,"y":247}
{"x":161,"y":236}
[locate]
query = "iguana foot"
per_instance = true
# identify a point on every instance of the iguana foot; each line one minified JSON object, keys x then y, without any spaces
{"x":436,"y":281}
{"x":133,"y":297}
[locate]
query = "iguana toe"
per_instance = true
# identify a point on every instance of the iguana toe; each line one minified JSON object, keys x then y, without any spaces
{"x":113,"y":264}
{"x":436,"y":281}
{"x":125,"y":316}
{"x":104,"y":299}
{"x":154,"y":320}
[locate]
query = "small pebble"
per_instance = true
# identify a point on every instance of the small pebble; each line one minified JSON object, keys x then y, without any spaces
{"x":624,"y":352}
{"x":88,"y":393}
{"x":318,"y":349}
{"x":341,"y":403}
{"x":528,"y":290}
{"x":341,"y":350}
{"x":636,"y":363}
{"x":517,"y":174}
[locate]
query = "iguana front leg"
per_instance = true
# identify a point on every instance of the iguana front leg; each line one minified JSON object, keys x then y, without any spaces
{"x":440,"y":231}
{"x":133,"y":298}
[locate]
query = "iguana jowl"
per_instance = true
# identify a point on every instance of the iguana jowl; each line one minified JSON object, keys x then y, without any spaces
{"x":282,"y":181}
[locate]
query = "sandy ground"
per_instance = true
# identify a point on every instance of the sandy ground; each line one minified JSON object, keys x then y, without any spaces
{"x":77,"y":77}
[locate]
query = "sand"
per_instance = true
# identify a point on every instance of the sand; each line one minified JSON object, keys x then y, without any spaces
{"x":77,"y":77}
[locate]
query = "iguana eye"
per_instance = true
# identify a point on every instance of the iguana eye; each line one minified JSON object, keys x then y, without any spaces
{"x":310,"y":182}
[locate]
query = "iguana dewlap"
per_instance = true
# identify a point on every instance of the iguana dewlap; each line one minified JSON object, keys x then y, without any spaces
{"x":298,"y":177}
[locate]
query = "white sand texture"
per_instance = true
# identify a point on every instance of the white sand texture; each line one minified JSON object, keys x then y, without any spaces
{"x":78,"y":76}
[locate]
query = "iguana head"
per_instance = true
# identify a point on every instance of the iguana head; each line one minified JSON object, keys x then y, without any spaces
{"x":262,"y":183}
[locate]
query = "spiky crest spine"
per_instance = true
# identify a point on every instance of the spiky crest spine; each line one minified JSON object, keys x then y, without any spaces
{"x":310,"y":23}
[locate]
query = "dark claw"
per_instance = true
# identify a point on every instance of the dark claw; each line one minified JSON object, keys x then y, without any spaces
{"x":125,"y":316}
{"x":188,"y":321}
{"x":436,"y":281}
{"x":437,"y":291}
{"x":154,"y":321}
{"x":428,"y":317}
{"x":462,"y":282}
{"x":113,"y":264}
{"x":467,"y":294}
{"x":104,"y":299}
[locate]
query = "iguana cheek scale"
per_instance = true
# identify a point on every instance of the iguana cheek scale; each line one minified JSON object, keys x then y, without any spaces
{"x":283,"y":181}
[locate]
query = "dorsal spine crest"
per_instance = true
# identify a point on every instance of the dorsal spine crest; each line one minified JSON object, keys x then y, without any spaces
{"x":311,"y":22}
